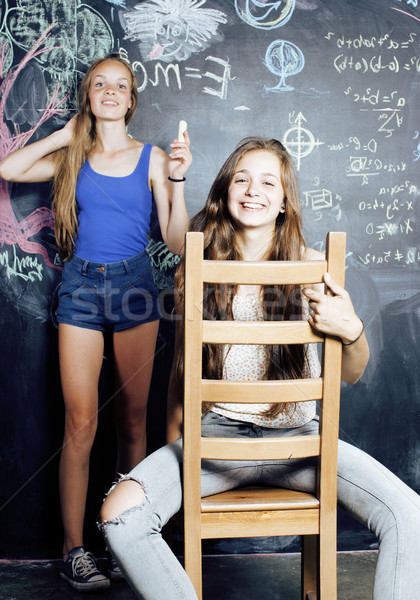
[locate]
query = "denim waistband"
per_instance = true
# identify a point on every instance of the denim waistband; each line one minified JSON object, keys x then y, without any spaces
{"x":88,"y":267}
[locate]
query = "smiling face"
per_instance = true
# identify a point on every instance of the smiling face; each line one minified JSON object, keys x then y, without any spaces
{"x":256,"y":195}
{"x":110,"y":90}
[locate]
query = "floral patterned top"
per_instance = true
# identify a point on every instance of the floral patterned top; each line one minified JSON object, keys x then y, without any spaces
{"x":249,"y":363}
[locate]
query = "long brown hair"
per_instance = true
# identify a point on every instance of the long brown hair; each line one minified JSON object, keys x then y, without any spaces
{"x":70,"y":159}
{"x":279,"y":302}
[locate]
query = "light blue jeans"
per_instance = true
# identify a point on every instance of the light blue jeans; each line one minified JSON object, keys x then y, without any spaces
{"x":366,"y":490}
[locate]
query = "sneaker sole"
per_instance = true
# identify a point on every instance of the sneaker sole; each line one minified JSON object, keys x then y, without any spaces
{"x":94,"y":585}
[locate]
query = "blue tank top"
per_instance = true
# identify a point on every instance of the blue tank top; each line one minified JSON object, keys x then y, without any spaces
{"x":113,"y":212}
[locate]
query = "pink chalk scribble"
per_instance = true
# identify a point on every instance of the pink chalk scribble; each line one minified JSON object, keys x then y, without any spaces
{"x":13,"y":231}
{"x":405,"y":12}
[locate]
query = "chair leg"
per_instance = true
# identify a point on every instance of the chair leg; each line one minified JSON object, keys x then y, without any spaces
{"x":328,"y":565}
{"x":193,"y":562}
{"x":310,"y":567}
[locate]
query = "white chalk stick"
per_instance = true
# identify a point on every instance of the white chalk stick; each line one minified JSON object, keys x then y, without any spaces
{"x":181,"y":128}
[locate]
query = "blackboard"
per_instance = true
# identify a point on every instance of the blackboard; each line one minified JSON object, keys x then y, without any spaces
{"x":337,"y":82}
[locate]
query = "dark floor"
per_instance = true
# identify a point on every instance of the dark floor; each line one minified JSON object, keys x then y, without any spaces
{"x":243,"y":577}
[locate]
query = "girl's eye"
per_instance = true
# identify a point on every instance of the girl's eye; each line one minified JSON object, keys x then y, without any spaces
{"x":240,"y":180}
{"x":268,"y":183}
{"x":122,"y":86}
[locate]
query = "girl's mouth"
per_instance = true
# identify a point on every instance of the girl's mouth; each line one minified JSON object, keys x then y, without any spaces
{"x":252,"y":205}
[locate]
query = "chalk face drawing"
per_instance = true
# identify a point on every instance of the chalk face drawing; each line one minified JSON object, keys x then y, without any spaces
{"x":172,"y":30}
{"x":265,"y":15}
{"x":283,"y":59}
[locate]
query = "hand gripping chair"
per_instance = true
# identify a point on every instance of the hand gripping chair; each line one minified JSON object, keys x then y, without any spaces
{"x":257,"y":512}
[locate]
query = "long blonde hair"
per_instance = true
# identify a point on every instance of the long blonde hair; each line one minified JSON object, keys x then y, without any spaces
{"x":279,"y":302}
{"x":70,"y":159}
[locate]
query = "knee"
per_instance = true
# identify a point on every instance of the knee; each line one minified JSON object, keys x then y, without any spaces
{"x":80,"y":430}
{"x":125,"y":495}
{"x":133,"y":428}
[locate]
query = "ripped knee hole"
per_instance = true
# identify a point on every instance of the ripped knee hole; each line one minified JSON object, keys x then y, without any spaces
{"x":125,"y":495}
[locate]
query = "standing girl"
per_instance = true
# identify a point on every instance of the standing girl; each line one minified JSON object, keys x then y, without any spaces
{"x":104,"y":182}
{"x":252,"y":213}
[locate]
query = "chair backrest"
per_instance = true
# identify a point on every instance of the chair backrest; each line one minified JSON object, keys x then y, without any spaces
{"x":325,"y":389}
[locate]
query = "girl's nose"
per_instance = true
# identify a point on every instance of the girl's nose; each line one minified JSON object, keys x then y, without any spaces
{"x":251,"y":190}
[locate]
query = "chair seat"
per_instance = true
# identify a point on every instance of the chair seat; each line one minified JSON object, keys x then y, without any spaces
{"x":258,"y":499}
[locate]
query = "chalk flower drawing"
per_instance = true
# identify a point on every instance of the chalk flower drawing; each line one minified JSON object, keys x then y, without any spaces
{"x":13,"y":231}
{"x":172,"y":30}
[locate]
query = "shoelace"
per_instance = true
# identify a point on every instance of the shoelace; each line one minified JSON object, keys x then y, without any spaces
{"x":84,"y":565}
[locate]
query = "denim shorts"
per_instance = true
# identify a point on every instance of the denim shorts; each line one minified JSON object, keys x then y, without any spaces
{"x":108,"y":296}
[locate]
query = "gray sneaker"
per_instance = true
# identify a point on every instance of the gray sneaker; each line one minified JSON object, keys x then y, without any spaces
{"x":80,"y":571}
{"x":114,"y":571}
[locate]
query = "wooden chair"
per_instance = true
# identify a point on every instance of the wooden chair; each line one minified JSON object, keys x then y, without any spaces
{"x":256,"y":512}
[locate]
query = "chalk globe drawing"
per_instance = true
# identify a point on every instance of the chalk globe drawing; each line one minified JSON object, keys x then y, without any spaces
{"x":283,"y":59}
{"x":265,"y":15}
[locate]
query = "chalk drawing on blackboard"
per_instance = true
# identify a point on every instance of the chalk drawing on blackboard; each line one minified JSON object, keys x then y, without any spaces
{"x":163,"y":263}
{"x":417,"y":151}
{"x":265,"y":15}
{"x":171,"y":30}
{"x":319,"y":199}
{"x":27,"y":268}
{"x":120,"y":3}
{"x":82,"y":35}
{"x":405,"y":12}
{"x":6,"y":54}
{"x":299,"y":140}
{"x":29,"y":96}
{"x":13,"y":231}
{"x":283,"y":59}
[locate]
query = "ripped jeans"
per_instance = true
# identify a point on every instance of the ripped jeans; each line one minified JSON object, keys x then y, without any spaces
{"x":366,"y":490}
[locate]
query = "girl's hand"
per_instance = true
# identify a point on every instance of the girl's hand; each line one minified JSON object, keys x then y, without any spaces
{"x":333,"y":314}
{"x":180,"y":157}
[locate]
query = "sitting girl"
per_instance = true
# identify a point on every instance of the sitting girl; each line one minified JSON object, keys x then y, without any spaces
{"x":253,"y":213}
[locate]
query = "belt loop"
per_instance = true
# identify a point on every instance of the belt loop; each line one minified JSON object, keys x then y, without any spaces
{"x":84,"y":267}
{"x":127,"y":266}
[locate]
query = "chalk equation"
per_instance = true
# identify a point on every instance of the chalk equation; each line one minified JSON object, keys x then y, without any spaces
{"x":411,"y":256}
{"x":169,"y":30}
{"x":171,"y":75}
{"x":386,"y":42}
{"x":365,"y":167}
{"x":374,"y":97}
{"x":391,"y":209}
{"x":389,"y":54}
{"x":375,"y":65}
